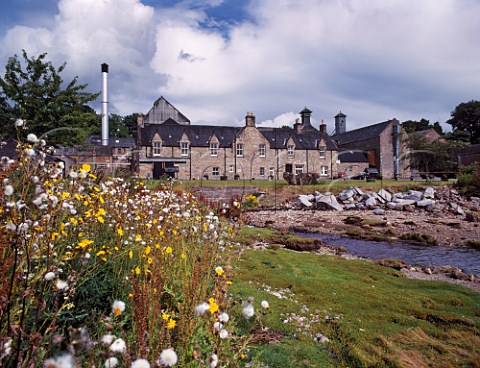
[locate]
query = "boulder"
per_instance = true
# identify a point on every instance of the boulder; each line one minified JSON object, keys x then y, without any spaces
{"x":472,"y":217}
{"x":371,"y":202}
{"x":425,"y":203}
{"x":305,"y":201}
{"x":379,"y":212}
{"x":414,"y":194}
{"x":384,"y":194}
{"x":330,"y":203}
{"x":429,"y":193}
{"x":346,"y":195}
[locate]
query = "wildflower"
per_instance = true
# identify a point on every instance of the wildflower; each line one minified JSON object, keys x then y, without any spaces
{"x":61,"y":285}
{"x":165,"y":316}
{"x":248,"y":311}
{"x":85,"y":168}
{"x":107,"y":339}
{"x":30,"y":152}
{"x":202,"y":308}
{"x":8,"y":191}
{"x":118,"y":346}
{"x":213,"y":306}
{"x":217,"y":326}
{"x":49,"y":276}
{"x":219,"y":271}
{"x":32,"y":138}
{"x":111,"y":362}
{"x":213,"y":360}
{"x":223,"y":317}
{"x":168,"y":357}
{"x":141,"y":363}
{"x":223,"y":333}
{"x":118,"y":307}
{"x":7,"y":349}
{"x":84,"y":243}
{"x":265,"y":304}
{"x":11,"y":226}
{"x":63,"y":361}
{"x":168,"y":250}
{"x":171,"y":324}
{"x":19,"y":122}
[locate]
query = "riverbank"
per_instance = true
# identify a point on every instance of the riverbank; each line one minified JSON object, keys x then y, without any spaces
{"x":392,"y":226}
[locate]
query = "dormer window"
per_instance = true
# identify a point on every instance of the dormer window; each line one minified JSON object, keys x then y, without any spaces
{"x":322,"y":151}
{"x":213,"y":149}
{"x":290,"y":150}
{"x":184,"y":148}
{"x":157,"y":148}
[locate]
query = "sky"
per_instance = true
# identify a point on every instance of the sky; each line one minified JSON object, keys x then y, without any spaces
{"x":216,"y":60}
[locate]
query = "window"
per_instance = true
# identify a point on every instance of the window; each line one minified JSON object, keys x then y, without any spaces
{"x":324,"y":171}
{"x":272,"y":171}
{"x":298,"y":169}
{"x":157,"y":148}
{"x":184,"y":148}
{"x":290,"y":150}
{"x":239,"y":149}
{"x":215,"y":171}
{"x":213,"y":149}
{"x":231,"y":168}
{"x":322,"y":151}
{"x":261,"y":150}
{"x":262,"y":171}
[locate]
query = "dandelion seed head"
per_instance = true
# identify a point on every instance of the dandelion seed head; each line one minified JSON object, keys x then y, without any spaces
{"x":265,"y":304}
{"x":202,"y":308}
{"x":63,"y":361}
{"x":223,"y":317}
{"x":223,"y":333}
{"x":111,"y":362}
{"x":118,"y":346}
{"x":8,"y":190}
{"x":32,"y":138}
{"x":168,"y":357}
{"x":141,"y":363}
{"x":107,"y":339}
{"x":61,"y":285}
{"x":49,"y":276}
{"x":248,"y":311}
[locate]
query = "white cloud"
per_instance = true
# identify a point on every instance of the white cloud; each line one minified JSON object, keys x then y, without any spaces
{"x":374,"y":60}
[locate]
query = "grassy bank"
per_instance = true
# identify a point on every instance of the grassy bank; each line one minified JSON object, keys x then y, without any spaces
{"x":372,"y":316}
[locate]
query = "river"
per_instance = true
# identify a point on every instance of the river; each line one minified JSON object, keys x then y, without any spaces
{"x":467,"y":259}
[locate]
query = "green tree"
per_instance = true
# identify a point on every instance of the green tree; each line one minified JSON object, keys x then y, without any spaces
{"x":411,"y":126}
{"x":32,"y":89}
{"x":466,"y":117}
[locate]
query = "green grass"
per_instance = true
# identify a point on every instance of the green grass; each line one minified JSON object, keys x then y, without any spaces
{"x":372,"y":315}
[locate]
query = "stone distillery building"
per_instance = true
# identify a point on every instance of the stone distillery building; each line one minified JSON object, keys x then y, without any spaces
{"x":167,"y":145}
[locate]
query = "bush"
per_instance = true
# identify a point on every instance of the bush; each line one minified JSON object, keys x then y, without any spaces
{"x":469,"y":180}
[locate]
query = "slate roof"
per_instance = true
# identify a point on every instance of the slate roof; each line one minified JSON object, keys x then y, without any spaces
{"x":369,"y":132}
{"x":200,"y":135}
{"x":352,"y":156}
{"x":112,"y":142}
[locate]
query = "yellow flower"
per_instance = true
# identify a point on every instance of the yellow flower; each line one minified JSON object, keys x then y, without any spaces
{"x":100,"y":219}
{"x":138,"y":237}
{"x":100,"y":253}
{"x":92,"y":176}
{"x":101,"y":199}
{"x":84,"y":243}
{"x":101,"y":212}
{"x":148,"y":250}
{"x":65,"y":195}
{"x":120,"y":231}
{"x":219,"y":271}
{"x":165,"y":316}
{"x":130,"y":254}
{"x":86,"y":168}
{"x":213,"y":306}
{"x":168,"y":250}
{"x":171,"y":324}
{"x":55,"y":235}
{"x":149,"y":260}
{"x":74,"y":221}
{"x":229,"y":283}
{"x":137,"y":270}
{"x":184,"y":256}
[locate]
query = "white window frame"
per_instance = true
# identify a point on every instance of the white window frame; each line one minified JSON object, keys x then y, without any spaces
{"x":231,"y":168}
{"x":184,"y":148}
{"x":272,"y":171}
{"x":262,"y":171}
{"x":157,"y":148}
{"x":262,"y":150}
{"x":215,"y":171}
{"x":322,"y":151}
{"x":299,"y":169}
{"x":239,"y":149}
{"x":213,"y":149}
{"x":290,"y":150}
{"x":324,"y":171}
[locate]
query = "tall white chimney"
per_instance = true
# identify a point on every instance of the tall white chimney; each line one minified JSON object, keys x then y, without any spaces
{"x":104,"y":105}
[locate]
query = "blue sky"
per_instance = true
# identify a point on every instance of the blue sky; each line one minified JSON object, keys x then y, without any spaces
{"x":217,"y":59}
